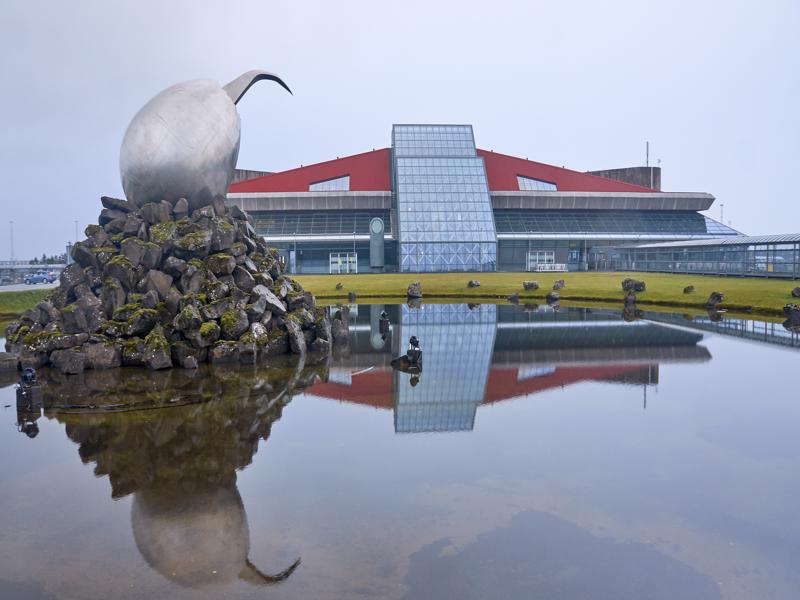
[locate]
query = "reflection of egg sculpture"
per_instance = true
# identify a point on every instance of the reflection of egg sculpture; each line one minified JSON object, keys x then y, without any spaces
{"x":185,"y":141}
{"x":196,"y":537}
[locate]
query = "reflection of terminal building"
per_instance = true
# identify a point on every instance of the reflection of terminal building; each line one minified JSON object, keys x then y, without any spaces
{"x":488,"y":354}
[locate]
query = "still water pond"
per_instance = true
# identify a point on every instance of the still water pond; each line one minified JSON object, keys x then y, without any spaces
{"x":540,"y":454}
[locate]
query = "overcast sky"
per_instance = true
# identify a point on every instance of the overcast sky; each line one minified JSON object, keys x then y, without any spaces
{"x":714,"y":86}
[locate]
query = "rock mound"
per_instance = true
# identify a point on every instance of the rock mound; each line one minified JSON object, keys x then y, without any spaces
{"x":162,"y":285}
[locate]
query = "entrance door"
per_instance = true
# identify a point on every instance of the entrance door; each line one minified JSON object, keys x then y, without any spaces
{"x":540,"y":257}
{"x":343,"y":262}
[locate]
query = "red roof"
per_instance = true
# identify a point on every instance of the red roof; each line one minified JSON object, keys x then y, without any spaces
{"x":374,"y":388}
{"x":502,"y":171}
{"x":368,"y":171}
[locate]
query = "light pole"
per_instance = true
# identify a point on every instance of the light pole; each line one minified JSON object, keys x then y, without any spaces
{"x":11,"y":238}
{"x":76,"y":231}
{"x":722,"y":213}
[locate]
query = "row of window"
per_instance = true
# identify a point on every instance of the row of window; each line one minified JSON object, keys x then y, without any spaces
{"x":317,"y":223}
{"x":440,"y":165}
{"x":404,"y":170}
{"x":667,"y":222}
{"x":431,"y":129}
{"x":440,"y":188}
{"x":338,"y":184}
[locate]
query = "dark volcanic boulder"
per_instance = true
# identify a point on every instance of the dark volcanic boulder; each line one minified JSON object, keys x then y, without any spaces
{"x":714,"y":299}
{"x":273,"y":304}
{"x":559,"y":284}
{"x":297,"y":342}
{"x":233,"y":323}
{"x":154,"y":213}
{"x":141,"y":322}
{"x":193,"y":245}
{"x":552,"y":298}
{"x":414,"y":290}
{"x":102,"y":355}
{"x":221,"y":263}
{"x":69,"y":362}
{"x":796,"y":292}
{"x":187,"y":356}
{"x":71,"y":276}
{"x":205,"y":335}
{"x":530,"y":285}
{"x":792,"y":312}
{"x":473,"y":283}
{"x":225,"y":352}
{"x":514,"y":298}
{"x":156,"y":350}
{"x":630,"y":299}
{"x":689,"y":289}
{"x":632,"y":285}
{"x":158,"y":282}
{"x":243,"y":279}
{"x":116,"y":204}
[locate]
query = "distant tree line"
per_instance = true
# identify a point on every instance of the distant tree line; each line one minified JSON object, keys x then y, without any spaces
{"x":55,"y":259}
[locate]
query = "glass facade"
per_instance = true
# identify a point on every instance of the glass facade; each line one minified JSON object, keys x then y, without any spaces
{"x":535,"y":185}
{"x":676,"y":223}
{"x":778,"y":259}
{"x":444,"y":212}
{"x":340,"y":184}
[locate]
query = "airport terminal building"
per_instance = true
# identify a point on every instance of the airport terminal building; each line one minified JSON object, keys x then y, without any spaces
{"x":434,"y":202}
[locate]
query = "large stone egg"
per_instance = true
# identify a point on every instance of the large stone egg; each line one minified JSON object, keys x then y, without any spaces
{"x":182,"y":143}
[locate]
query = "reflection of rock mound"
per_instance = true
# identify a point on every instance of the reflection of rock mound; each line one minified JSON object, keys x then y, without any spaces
{"x":180,"y":465}
{"x":160,"y":285}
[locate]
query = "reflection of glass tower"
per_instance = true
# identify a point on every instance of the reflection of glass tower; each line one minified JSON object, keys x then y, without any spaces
{"x":457,"y":344}
{"x":444,"y":212}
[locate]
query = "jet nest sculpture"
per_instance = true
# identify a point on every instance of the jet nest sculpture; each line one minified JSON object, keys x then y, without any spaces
{"x":185,"y":141}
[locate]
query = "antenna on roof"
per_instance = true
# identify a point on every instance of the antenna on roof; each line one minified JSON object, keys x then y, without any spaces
{"x":647,"y":155}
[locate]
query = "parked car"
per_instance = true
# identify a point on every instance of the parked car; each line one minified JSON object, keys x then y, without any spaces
{"x":39,"y":277}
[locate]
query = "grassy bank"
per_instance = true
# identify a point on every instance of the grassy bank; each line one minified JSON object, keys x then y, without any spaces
{"x":14,"y":303}
{"x":761,"y":296}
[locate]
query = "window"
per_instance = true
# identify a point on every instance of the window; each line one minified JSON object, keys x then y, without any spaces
{"x":339,"y":184}
{"x":343,"y":262}
{"x":536,"y":185}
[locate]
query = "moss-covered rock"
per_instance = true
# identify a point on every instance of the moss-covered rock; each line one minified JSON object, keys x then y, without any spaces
{"x":233,"y":323}
{"x":156,"y":350}
{"x":221,"y":263}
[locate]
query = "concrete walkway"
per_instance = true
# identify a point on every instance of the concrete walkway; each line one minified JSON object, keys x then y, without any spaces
{"x":21,"y":287}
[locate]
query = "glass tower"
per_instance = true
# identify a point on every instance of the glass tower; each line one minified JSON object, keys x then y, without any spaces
{"x":444,"y":212}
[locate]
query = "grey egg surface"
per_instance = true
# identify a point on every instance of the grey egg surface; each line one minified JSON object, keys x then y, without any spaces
{"x":183,"y":143}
